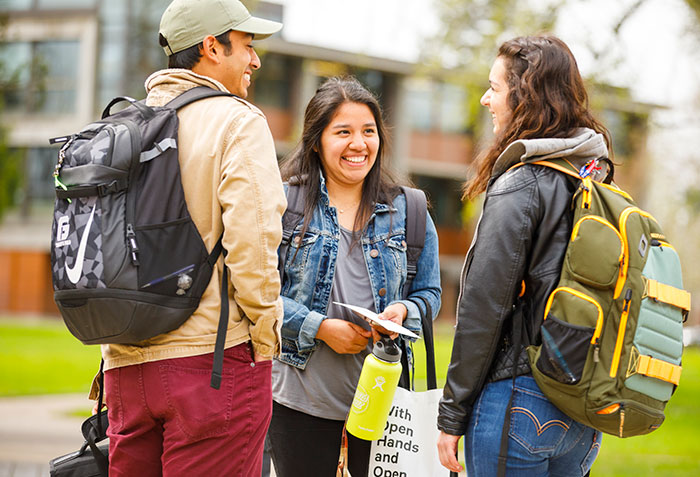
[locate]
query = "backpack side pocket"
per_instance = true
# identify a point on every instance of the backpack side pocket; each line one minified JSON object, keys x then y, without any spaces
{"x":595,"y":252}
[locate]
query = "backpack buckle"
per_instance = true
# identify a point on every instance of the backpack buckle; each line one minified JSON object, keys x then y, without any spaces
{"x":111,"y":188}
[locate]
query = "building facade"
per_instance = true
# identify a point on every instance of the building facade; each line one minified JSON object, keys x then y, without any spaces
{"x":73,"y":56}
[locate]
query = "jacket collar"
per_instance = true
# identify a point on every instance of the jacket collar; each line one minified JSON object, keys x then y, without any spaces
{"x":583,"y":146}
{"x":165,"y":85}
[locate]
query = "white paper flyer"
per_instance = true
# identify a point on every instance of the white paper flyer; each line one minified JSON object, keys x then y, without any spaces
{"x":373,"y":318}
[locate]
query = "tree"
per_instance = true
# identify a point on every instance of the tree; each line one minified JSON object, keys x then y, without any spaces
{"x":472,"y":30}
{"x":694,"y":6}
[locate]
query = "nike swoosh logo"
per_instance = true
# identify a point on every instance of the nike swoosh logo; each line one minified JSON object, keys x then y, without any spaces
{"x":77,"y":270}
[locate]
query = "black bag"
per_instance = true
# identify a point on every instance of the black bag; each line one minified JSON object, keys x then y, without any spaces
{"x":92,"y":459}
{"x":127,"y":261}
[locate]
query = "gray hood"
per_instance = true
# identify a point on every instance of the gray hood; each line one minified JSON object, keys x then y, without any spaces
{"x":585,"y":145}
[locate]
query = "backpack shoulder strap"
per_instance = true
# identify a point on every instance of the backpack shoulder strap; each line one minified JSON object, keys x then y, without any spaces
{"x":296,"y":195}
{"x":189,"y":97}
{"x":416,"y":216}
{"x":296,"y":198}
{"x":416,"y":220}
{"x":564,"y":166}
{"x":560,"y":165}
{"x":195,"y":94}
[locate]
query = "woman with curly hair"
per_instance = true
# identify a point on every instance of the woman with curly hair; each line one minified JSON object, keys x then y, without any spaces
{"x":540,"y":110}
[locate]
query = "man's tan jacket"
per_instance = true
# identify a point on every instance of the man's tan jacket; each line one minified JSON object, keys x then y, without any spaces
{"x":232,"y":185}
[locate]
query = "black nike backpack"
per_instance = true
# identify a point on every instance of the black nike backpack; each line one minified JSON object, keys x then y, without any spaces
{"x":127,"y":261}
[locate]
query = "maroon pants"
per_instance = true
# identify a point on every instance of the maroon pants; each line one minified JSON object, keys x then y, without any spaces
{"x":165,"y":419}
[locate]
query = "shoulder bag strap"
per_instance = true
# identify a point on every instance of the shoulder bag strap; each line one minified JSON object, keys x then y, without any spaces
{"x":94,"y":430}
{"x":428,"y":339}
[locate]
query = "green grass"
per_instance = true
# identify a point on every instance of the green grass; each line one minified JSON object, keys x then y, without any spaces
{"x":42,"y":357}
{"x":671,"y":451}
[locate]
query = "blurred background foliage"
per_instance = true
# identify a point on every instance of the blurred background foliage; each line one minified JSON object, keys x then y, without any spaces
{"x":10,"y":159}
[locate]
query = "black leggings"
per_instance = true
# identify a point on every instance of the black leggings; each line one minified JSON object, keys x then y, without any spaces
{"x":302,"y":445}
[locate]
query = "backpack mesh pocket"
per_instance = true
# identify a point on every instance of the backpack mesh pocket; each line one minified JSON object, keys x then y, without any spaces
{"x":566,"y":340}
{"x":564,"y":350}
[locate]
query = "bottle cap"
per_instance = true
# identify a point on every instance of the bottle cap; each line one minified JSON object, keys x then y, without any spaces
{"x":386,"y":350}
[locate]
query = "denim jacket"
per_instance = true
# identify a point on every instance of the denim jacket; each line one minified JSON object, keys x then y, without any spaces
{"x":307,"y":279}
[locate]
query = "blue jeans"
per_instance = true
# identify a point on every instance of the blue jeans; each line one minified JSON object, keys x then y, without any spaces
{"x":543,"y":441}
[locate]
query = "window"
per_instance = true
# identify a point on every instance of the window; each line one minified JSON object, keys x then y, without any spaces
{"x":40,"y":163}
{"x":46,"y":4}
{"x":271,"y":83}
{"x":16,"y":4}
{"x":372,"y":80}
{"x":434,"y":106}
{"x":445,"y":199}
{"x":269,"y":11}
{"x":419,"y":104}
{"x":625,"y":128}
{"x":452,"y":111}
{"x":45,"y":76}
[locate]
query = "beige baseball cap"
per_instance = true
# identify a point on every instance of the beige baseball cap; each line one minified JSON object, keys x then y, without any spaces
{"x":185,"y":23}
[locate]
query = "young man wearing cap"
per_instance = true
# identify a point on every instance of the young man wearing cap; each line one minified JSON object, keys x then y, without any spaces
{"x":165,"y":419}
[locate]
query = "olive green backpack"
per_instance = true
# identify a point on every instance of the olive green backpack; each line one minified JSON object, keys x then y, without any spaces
{"x":612,"y":336}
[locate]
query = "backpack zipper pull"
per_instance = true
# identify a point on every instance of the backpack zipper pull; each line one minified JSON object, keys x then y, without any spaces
{"x":596,"y":349}
{"x":58,"y":184}
{"x":628,"y":299}
{"x":622,"y":418}
{"x":133,"y":246}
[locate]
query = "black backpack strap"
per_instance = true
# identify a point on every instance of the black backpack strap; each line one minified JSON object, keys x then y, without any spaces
{"x":146,"y":112}
{"x":296,"y":196}
{"x":428,"y":339}
{"x":218,"y":366}
{"x":195,"y":94}
{"x":416,"y":217}
{"x":100,"y":397}
{"x":189,"y":97}
{"x":416,"y":211}
{"x":517,"y":348}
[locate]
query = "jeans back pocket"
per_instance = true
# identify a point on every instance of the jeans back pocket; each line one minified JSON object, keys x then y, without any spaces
{"x":535,"y":423}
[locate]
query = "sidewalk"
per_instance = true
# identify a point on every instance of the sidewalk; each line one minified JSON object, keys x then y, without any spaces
{"x":35,"y":429}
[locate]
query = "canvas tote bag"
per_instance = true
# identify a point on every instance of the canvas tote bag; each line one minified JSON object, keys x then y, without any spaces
{"x":408,"y":447}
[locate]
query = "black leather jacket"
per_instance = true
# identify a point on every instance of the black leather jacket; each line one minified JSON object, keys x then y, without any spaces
{"x":522,"y":236}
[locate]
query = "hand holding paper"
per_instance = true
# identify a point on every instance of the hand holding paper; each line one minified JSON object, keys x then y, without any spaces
{"x":373,"y":318}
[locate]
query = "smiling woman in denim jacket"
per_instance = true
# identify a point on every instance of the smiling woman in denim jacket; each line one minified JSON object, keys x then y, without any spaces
{"x":349,"y":247}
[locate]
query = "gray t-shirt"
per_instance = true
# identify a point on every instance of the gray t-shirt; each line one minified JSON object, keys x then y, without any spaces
{"x":327,"y":386}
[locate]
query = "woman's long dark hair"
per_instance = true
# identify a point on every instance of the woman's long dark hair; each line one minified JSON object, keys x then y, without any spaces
{"x":546,"y":95}
{"x":304,"y":163}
